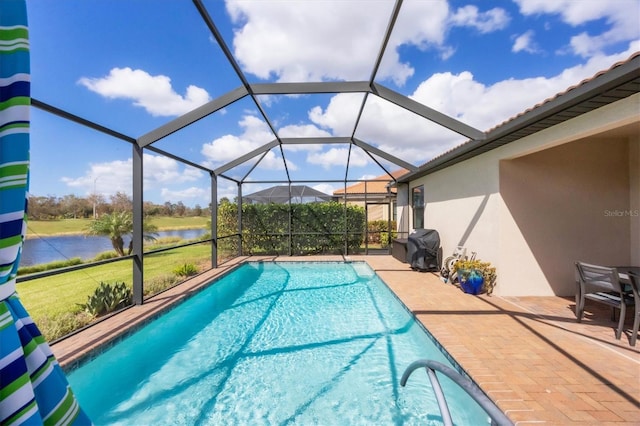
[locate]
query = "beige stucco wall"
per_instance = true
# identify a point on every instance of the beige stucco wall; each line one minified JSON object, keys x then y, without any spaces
{"x":558,"y":185}
{"x":564,"y":204}
{"x":634,"y":198}
{"x":374,"y":211}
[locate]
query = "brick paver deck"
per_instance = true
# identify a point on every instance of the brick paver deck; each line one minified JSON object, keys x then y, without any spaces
{"x":528,"y":354}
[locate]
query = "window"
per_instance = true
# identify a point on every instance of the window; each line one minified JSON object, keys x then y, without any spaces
{"x":417,"y":202}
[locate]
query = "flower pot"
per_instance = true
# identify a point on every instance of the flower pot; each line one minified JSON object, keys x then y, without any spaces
{"x":473,"y":282}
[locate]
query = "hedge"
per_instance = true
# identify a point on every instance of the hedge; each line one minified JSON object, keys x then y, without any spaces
{"x":316,"y":228}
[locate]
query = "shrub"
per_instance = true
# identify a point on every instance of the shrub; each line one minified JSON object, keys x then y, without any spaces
{"x":379,"y":231}
{"x":57,"y":326}
{"x":105,"y":255}
{"x":108,"y":298}
{"x":186,"y":270}
{"x":159,"y":283}
{"x":166,"y":241}
{"x":49,"y":266}
{"x":316,"y":228}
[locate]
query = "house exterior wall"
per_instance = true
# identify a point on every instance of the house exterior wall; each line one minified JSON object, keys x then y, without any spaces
{"x":402,"y":210}
{"x":374,"y":211}
{"x":535,"y":206}
{"x":562,"y":204}
{"x":634,"y":198}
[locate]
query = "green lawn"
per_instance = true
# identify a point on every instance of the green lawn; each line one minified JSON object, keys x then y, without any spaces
{"x":72,"y":288}
{"x":78,"y":226}
{"x":53,"y":301}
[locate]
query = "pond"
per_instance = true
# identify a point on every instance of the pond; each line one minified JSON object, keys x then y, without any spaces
{"x":50,"y":249}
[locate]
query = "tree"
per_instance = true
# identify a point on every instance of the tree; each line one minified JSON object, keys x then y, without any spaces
{"x":168,"y":208}
{"x":96,"y":201}
{"x":180,"y":209}
{"x":73,"y":207}
{"x":121,"y":202}
{"x":150,"y":209}
{"x":116,"y":226}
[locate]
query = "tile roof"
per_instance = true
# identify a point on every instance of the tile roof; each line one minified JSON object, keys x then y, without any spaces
{"x":378,"y":185}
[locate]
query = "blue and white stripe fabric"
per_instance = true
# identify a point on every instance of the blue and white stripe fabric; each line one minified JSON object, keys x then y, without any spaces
{"x":33,"y":388}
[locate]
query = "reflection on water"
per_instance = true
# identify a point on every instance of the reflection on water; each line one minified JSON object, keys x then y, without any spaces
{"x":50,"y":249}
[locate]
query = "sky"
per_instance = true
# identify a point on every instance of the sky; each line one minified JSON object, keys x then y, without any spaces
{"x":135,"y":65}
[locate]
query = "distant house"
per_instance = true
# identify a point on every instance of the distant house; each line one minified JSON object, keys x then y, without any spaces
{"x":298,"y":194}
{"x":377,"y":195}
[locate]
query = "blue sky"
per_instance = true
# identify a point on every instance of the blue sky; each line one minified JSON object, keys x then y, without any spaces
{"x":134,"y":65}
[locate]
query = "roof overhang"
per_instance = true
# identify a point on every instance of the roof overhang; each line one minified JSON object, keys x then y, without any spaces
{"x":619,"y":82}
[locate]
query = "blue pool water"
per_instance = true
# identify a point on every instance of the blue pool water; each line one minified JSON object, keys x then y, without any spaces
{"x":274,"y":343}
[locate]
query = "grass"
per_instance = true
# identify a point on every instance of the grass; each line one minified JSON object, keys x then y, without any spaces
{"x":79,"y":226}
{"x":54,"y":301}
{"x":74,"y":287}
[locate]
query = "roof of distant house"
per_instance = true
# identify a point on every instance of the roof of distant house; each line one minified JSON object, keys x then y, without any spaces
{"x":377,"y":185}
{"x":284,"y":193}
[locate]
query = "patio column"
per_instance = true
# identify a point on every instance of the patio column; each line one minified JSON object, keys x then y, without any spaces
{"x":290,"y":224}
{"x":137,"y":235}
{"x":214,"y":220}
{"x":346,"y":231}
{"x":366,"y":220}
{"x":389,"y":218}
{"x":239,"y":219}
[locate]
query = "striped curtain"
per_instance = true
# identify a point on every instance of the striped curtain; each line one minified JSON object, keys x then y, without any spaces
{"x":33,"y":388}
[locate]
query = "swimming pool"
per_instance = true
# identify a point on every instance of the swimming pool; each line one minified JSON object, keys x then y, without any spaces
{"x":274,"y":343}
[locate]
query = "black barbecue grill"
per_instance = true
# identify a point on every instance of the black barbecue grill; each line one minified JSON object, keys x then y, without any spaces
{"x":423,"y":250}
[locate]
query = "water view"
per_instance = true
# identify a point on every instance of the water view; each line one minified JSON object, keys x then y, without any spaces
{"x":50,"y":249}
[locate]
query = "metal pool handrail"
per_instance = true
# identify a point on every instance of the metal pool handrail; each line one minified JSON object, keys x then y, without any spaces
{"x":497,"y":416}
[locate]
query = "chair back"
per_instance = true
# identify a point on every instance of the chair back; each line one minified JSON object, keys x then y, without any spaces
{"x":634,"y":280}
{"x":599,"y":276}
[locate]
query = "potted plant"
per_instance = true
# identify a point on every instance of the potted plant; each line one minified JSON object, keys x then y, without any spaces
{"x":475,"y":276}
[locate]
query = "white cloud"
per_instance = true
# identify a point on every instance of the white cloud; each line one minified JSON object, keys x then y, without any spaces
{"x":199,"y":195}
{"x":342,"y":122}
{"x":621,"y":15}
{"x":338,"y":157}
{"x":302,"y":131}
{"x":104,"y":178}
{"x":153,"y":93}
{"x":305,"y":41}
{"x":312,"y":41}
{"x":228,"y":189}
{"x":485,"y":22}
{"x":325,"y":187}
{"x":387,"y":126}
{"x":162,"y":170}
{"x":524,"y":42}
{"x":116,"y":176}
{"x":255,"y":134}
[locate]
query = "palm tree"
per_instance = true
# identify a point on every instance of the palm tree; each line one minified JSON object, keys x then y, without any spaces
{"x":115,"y":226}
